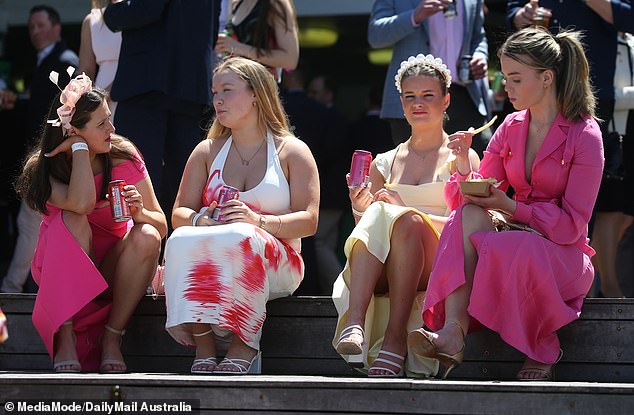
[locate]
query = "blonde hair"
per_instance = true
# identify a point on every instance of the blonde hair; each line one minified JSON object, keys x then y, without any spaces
{"x":563,"y":53}
{"x":260,"y":81}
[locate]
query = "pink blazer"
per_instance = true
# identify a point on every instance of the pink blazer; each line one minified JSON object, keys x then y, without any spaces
{"x":565,"y":178}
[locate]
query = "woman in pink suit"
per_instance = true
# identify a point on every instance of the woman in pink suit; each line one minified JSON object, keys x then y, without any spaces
{"x":82,"y":254}
{"x":525,"y":284}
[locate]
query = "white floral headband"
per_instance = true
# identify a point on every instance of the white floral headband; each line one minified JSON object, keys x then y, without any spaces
{"x":420,"y":59}
{"x":69,"y":96}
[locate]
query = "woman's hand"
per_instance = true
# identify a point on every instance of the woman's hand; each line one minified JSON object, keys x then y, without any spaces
{"x":229,"y":45}
{"x":497,"y":200}
{"x":459,"y":144}
{"x":134,"y":200}
{"x":388,"y":196}
{"x":237,"y":211}
{"x":360,"y":196}
{"x":206,"y":218}
{"x":65,"y":146}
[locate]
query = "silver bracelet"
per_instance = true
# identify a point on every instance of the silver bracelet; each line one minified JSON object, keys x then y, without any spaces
{"x":195,"y":218}
{"x":357,"y":213}
{"x":79,"y":146}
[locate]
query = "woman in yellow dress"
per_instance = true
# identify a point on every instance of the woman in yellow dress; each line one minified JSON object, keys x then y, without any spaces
{"x":399,"y":214}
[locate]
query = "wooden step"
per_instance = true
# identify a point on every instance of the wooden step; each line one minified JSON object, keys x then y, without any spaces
{"x":325,"y":395}
{"x":297,"y":341}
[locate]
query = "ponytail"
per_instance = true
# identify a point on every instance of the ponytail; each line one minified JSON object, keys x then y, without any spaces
{"x":574,"y":92}
{"x":537,"y":48}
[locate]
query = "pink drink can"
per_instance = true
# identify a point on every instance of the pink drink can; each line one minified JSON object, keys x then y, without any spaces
{"x":118,"y":205}
{"x":360,"y":168}
{"x":226,"y":194}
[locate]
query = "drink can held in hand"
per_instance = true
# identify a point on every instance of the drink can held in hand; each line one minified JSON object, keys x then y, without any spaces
{"x":464,"y":69}
{"x":118,"y":205}
{"x":451,"y":10}
{"x":225,"y":194}
{"x":360,"y":168}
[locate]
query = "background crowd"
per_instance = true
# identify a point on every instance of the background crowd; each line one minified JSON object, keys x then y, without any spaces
{"x":155,"y":58}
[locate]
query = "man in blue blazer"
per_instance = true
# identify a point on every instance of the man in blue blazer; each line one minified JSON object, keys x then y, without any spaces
{"x":411,"y":27}
{"x":163,"y":81}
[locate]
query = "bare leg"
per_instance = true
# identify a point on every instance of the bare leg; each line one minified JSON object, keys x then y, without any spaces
{"x":607,"y":227}
{"x":365,"y":272}
{"x":450,"y":339}
{"x":128,"y":268}
{"x":64,"y":339}
{"x":205,"y":346}
{"x":413,"y":245}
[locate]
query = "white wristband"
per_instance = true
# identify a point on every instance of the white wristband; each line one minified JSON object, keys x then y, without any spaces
{"x":79,"y":146}
{"x":195,"y":218}
{"x":357,"y":213}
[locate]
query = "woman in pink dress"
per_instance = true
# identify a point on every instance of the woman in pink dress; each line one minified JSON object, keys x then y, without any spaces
{"x":526,"y":284}
{"x":82,"y":254}
{"x":219,"y":274}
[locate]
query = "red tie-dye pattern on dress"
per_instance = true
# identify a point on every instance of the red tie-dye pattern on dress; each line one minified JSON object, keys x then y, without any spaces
{"x":238,"y":305}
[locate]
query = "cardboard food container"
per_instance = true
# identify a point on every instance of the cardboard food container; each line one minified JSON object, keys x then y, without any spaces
{"x":477,"y":187}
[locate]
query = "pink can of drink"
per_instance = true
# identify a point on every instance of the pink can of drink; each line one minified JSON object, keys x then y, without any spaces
{"x":118,"y":205}
{"x":226,"y":194}
{"x":360,"y":168}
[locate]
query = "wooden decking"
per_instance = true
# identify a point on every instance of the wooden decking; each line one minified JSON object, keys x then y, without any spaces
{"x":303,"y":374}
{"x":327,"y":395}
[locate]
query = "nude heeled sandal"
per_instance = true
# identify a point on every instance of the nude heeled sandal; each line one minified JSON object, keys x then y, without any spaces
{"x":73,"y":365}
{"x":113,"y":362}
{"x":422,"y":344}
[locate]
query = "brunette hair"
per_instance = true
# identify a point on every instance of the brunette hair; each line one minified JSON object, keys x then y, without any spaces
{"x":563,"y":54}
{"x":272,"y":13}
{"x":271,"y":115}
{"x":33,"y":185}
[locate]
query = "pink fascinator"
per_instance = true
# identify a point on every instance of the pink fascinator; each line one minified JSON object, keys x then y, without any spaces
{"x":69,"y":96}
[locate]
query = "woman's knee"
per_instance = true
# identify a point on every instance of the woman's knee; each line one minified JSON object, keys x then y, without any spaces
{"x":144,"y":239}
{"x":475,"y":218}
{"x":409,"y":227}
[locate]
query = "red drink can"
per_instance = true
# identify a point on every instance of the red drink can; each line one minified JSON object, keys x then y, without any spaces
{"x":360,"y":168}
{"x":226,"y":194}
{"x":118,"y":205}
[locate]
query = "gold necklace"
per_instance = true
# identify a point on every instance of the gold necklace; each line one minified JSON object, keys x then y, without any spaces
{"x":435,"y":150}
{"x":246,"y":162}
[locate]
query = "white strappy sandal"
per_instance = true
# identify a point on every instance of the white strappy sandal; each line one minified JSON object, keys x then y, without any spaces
{"x":204,"y":365}
{"x":347,"y":345}
{"x":391,"y":373}
{"x":244,"y":367}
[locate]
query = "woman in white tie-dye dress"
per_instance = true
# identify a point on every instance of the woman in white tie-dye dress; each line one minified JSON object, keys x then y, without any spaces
{"x":220,"y":274}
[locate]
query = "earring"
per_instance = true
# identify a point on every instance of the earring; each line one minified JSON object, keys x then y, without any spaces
{"x":254,"y":103}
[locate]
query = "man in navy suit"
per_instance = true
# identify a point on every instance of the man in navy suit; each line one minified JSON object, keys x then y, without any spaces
{"x":421,"y":26}
{"x":163,"y":81}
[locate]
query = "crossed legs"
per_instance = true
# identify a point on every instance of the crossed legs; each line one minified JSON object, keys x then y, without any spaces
{"x":406,"y":270}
